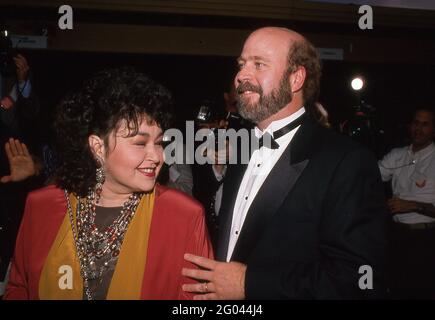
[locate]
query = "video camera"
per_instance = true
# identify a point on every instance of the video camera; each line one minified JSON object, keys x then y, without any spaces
{"x":208,"y":117}
{"x":364,"y":127}
{"x":210,"y":114}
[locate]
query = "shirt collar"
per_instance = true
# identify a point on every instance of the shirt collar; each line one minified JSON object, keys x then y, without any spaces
{"x":423,"y":152}
{"x":278,"y":124}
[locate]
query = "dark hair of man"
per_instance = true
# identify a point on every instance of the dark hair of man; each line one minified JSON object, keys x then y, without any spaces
{"x":303,"y":53}
{"x":99,"y":107}
{"x":428,"y":110}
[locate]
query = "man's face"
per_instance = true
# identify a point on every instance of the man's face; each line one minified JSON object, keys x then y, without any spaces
{"x":262,"y":84}
{"x":422,"y":128}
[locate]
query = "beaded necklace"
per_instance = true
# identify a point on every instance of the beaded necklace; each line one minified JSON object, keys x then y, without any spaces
{"x":93,"y":244}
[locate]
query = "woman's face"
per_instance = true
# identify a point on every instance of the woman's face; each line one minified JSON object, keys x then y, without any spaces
{"x":133,"y":162}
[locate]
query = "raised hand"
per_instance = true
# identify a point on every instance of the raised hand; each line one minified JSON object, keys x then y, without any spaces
{"x":21,"y":164}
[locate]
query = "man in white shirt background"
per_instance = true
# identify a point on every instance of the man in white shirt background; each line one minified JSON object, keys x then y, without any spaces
{"x":411,"y":170}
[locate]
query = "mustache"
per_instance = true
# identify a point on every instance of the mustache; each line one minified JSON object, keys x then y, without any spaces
{"x":246,"y":86}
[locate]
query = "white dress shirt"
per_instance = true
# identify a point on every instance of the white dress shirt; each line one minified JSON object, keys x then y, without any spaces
{"x":413,"y":178}
{"x":24,"y":87}
{"x":259,"y":167}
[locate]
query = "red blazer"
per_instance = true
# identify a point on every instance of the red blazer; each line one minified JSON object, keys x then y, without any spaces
{"x":177,"y":227}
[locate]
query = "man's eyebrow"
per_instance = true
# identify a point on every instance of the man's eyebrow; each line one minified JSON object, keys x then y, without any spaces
{"x":255,"y":58}
{"x":260,"y":58}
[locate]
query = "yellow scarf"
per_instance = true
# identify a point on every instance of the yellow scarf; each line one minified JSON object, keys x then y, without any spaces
{"x":60,"y":277}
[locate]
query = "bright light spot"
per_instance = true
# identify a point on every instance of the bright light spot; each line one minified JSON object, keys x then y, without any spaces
{"x":357,"y":84}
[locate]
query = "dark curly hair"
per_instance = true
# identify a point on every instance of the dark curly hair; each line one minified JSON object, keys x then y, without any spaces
{"x":99,"y":107}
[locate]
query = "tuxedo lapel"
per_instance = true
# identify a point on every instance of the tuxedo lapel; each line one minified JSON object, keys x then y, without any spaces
{"x":274,"y":190}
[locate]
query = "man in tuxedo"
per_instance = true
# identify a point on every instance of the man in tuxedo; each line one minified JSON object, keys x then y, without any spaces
{"x":307,"y":219}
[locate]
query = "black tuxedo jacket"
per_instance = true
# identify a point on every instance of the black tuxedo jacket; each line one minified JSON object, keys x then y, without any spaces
{"x":319,"y":216}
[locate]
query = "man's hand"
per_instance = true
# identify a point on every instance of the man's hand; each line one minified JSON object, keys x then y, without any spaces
{"x":21,"y":164}
{"x":398,"y":205}
{"x":22,"y":68}
{"x":223,"y":280}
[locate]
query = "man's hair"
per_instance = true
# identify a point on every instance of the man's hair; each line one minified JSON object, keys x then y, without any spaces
{"x":425,"y":109}
{"x":99,"y":107}
{"x":303,"y":53}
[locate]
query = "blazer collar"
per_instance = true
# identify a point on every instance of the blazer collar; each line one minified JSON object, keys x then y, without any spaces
{"x":304,"y":143}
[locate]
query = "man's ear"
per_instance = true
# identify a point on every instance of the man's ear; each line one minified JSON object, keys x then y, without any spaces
{"x":297,"y":79}
{"x":96,"y":144}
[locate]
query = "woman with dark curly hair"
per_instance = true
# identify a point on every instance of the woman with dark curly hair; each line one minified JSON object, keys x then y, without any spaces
{"x":106,"y":230}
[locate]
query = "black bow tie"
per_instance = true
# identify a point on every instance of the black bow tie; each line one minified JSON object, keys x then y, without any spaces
{"x":269,"y":141}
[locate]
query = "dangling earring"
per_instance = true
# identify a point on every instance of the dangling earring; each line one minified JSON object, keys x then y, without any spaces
{"x":100,"y":177}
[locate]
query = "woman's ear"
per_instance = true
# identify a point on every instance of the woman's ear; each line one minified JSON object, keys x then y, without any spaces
{"x":96,"y":144}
